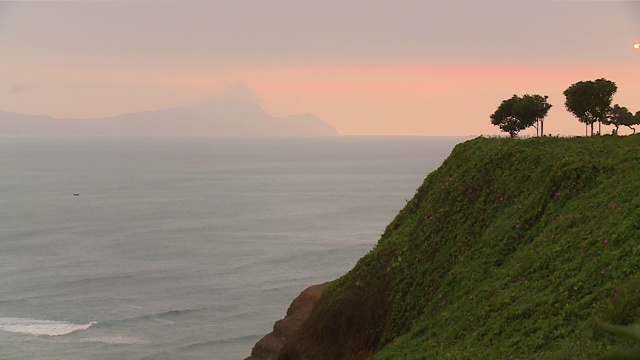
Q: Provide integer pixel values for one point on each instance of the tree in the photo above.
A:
(621, 116)
(518, 113)
(532, 109)
(505, 117)
(590, 101)
(630, 120)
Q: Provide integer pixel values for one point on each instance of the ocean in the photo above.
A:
(185, 248)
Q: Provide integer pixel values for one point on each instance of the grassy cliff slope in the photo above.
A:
(510, 250)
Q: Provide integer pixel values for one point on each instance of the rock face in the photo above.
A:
(269, 346)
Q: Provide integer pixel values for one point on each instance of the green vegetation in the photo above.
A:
(518, 113)
(590, 101)
(629, 332)
(621, 116)
(512, 249)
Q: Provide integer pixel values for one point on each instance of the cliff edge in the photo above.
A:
(510, 250)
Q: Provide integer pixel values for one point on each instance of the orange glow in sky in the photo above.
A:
(356, 100)
(636, 45)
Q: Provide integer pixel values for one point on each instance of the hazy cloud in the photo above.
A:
(16, 89)
(294, 32)
(239, 92)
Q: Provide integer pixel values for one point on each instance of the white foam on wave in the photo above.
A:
(41, 327)
(116, 340)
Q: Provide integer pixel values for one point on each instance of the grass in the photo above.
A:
(512, 249)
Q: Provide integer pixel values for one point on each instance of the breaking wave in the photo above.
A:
(41, 327)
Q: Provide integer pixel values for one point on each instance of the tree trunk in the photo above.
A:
(591, 129)
(542, 128)
(599, 128)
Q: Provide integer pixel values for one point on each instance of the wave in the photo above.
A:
(210, 343)
(164, 315)
(116, 340)
(318, 255)
(41, 327)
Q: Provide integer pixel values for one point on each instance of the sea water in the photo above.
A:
(184, 248)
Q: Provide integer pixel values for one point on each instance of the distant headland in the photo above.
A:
(213, 118)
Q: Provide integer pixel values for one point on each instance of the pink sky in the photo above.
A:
(438, 100)
(421, 68)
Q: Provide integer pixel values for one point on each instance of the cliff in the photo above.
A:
(270, 345)
(511, 249)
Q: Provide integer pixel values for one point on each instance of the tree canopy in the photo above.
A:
(621, 116)
(518, 113)
(532, 109)
(590, 101)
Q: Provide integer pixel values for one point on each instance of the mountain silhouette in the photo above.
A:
(213, 118)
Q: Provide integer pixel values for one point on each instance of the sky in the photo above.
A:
(366, 67)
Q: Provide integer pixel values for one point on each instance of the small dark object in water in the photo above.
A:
(76, 194)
